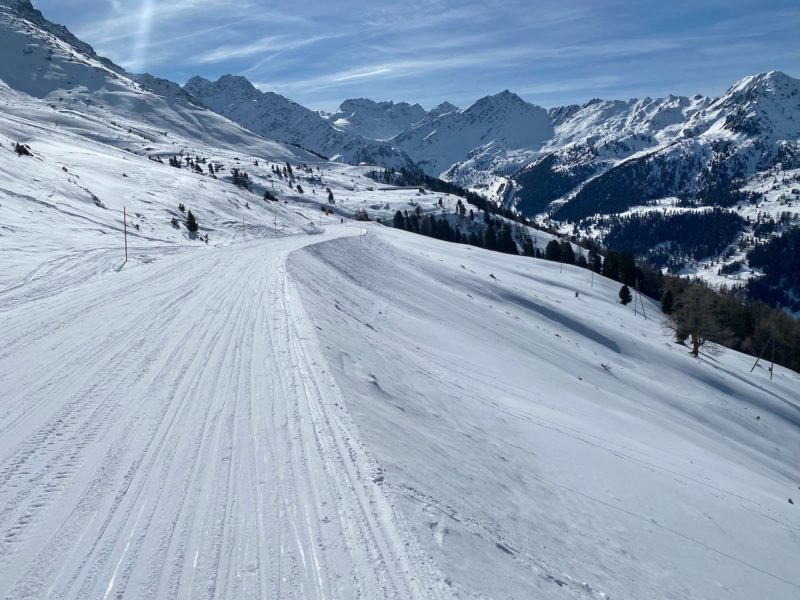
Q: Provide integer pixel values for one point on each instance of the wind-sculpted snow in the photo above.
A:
(544, 444)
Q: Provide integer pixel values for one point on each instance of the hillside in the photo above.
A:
(221, 403)
(528, 437)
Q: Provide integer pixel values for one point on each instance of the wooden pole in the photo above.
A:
(772, 366)
(639, 294)
(125, 225)
(755, 364)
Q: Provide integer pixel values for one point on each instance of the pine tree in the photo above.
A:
(399, 220)
(567, 253)
(553, 251)
(611, 266)
(506, 241)
(667, 302)
(595, 261)
(527, 247)
(490, 237)
(191, 223)
(625, 294)
(627, 268)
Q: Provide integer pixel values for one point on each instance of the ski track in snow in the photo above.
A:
(161, 460)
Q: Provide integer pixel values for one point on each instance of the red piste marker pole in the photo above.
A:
(125, 223)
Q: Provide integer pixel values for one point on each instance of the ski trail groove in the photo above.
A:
(191, 446)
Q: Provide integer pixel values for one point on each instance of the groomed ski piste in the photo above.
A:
(381, 416)
(312, 407)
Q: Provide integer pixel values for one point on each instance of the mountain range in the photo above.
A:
(506, 147)
(581, 168)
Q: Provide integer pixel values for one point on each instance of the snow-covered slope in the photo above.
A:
(544, 444)
(595, 137)
(278, 118)
(375, 120)
(606, 120)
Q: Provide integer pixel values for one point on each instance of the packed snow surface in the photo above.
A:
(544, 444)
(381, 416)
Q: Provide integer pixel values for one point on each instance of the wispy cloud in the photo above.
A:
(552, 52)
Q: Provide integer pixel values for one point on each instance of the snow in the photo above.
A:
(439, 141)
(546, 445)
(601, 121)
(310, 407)
(376, 120)
(279, 118)
(168, 431)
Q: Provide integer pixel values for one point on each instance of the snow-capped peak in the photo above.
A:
(228, 89)
(376, 120)
(443, 108)
(442, 140)
(503, 101)
(769, 82)
(758, 105)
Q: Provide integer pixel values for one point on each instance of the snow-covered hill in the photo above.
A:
(529, 437)
(101, 140)
(279, 118)
(595, 137)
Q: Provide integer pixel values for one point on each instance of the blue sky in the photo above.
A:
(319, 52)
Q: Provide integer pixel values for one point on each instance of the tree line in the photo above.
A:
(696, 234)
(779, 261)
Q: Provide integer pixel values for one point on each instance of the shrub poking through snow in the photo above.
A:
(625, 294)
